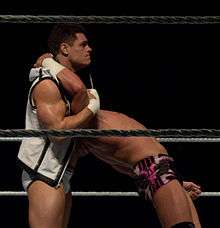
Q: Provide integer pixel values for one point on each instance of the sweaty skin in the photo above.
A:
(120, 152)
(123, 152)
(116, 151)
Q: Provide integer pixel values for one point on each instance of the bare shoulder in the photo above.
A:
(46, 90)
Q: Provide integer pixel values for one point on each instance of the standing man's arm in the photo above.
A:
(51, 108)
(70, 81)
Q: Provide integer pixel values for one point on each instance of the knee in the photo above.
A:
(153, 172)
(44, 218)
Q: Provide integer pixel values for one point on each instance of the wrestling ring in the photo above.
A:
(163, 135)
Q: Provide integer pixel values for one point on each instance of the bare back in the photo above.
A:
(119, 151)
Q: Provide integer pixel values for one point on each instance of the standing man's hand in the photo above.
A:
(94, 101)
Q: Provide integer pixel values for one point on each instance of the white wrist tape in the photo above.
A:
(52, 65)
(94, 93)
(94, 103)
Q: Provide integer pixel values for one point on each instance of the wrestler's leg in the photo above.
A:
(157, 180)
(46, 205)
(68, 205)
(193, 212)
(172, 205)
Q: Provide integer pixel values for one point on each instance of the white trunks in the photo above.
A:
(27, 179)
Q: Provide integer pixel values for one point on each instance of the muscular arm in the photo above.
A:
(76, 89)
(70, 80)
(51, 109)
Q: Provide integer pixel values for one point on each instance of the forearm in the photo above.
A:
(79, 120)
(71, 83)
(70, 80)
(52, 116)
(51, 109)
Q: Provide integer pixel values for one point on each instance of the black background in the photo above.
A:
(165, 76)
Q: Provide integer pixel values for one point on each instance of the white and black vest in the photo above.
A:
(41, 158)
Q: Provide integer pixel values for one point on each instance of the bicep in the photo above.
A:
(51, 115)
(50, 106)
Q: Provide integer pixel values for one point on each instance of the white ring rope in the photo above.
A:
(114, 20)
(30, 19)
(102, 194)
(92, 132)
(113, 194)
(172, 140)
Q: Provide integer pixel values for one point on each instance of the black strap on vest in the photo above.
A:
(63, 93)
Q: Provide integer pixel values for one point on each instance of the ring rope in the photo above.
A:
(101, 194)
(162, 140)
(110, 19)
(161, 133)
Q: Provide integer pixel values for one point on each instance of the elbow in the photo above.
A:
(57, 126)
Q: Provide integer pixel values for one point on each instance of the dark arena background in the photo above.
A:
(165, 76)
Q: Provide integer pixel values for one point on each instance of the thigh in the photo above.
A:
(68, 206)
(46, 205)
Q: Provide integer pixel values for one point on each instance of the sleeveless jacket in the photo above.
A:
(41, 158)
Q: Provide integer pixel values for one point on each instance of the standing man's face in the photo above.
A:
(79, 53)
